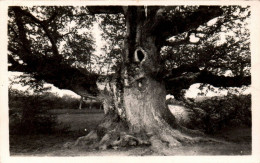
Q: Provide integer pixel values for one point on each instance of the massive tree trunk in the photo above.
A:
(144, 94)
(135, 107)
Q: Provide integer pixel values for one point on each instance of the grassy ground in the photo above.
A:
(80, 122)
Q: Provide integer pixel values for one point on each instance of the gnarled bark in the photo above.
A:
(138, 113)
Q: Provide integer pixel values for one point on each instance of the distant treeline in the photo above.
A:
(31, 113)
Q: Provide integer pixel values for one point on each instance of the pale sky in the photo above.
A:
(98, 38)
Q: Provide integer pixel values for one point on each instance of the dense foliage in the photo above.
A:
(47, 41)
(216, 113)
(29, 114)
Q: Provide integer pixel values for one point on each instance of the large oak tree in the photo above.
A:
(152, 53)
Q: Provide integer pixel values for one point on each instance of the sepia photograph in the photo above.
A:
(129, 80)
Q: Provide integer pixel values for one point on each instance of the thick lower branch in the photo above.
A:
(62, 76)
(223, 81)
(186, 80)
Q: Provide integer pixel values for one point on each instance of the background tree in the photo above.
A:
(154, 50)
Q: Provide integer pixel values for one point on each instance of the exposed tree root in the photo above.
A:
(162, 140)
(110, 140)
(156, 132)
(111, 133)
(159, 143)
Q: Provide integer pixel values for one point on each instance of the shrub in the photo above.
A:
(219, 112)
(28, 114)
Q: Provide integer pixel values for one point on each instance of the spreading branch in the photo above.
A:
(184, 41)
(63, 76)
(164, 28)
(184, 81)
(223, 81)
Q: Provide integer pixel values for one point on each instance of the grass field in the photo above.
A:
(80, 122)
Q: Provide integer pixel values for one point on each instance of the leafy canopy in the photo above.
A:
(46, 41)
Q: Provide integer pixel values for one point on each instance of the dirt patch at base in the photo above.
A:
(197, 149)
(53, 145)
